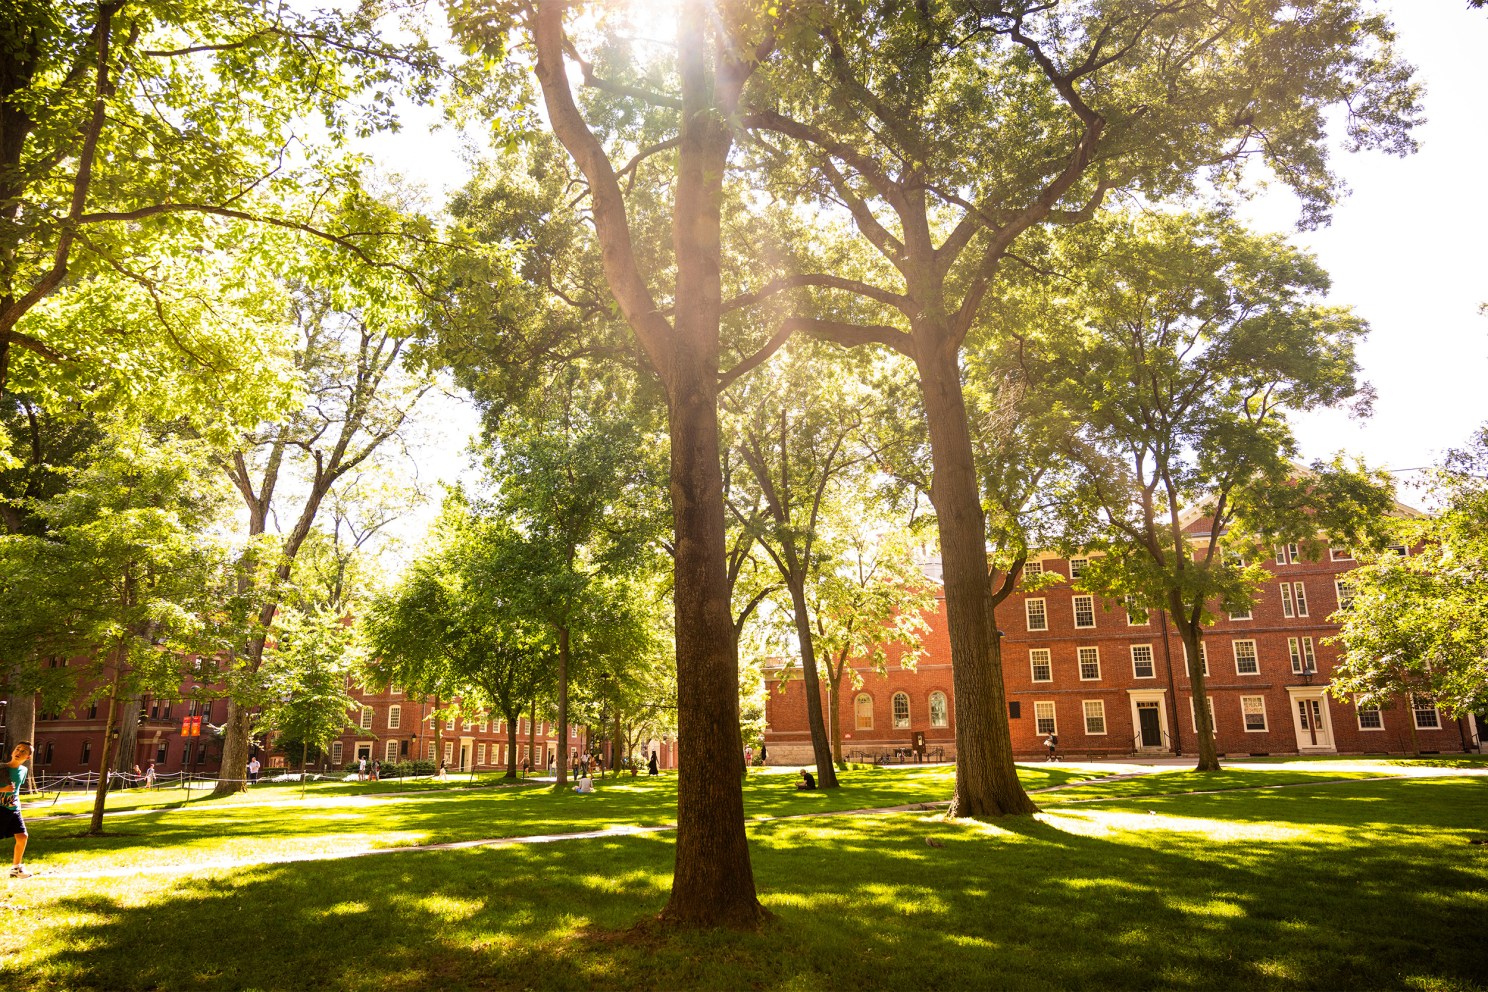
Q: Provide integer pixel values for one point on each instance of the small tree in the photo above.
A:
(307, 667)
(1178, 358)
(1417, 624)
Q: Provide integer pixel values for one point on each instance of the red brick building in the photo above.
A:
(1108, 684)
(386, 725)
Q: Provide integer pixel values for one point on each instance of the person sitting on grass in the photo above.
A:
(585, 784)
(808, 780)
(11, 824)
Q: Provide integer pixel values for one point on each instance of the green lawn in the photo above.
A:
(1362, 883)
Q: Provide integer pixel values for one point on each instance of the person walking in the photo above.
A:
(150, 776)
(253, 767)
(651, 766)
(1052, 743)
(11, 824)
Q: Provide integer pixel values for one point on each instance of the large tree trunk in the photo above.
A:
(1192, 639)
(232, 774)
(821, 747)
(511, 743)
(129, 732)
(986, 779)
(20, 721)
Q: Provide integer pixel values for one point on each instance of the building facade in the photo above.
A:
(1110, 684)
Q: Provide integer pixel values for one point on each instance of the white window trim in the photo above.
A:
(945, 709)
(1265, 718)
(1028, 613)
(1340, 554)
(1340, 584)
(1417, 709)
(1075, 607)
(337, 752)
(1080, 663)
(1075, 570)
(1151, 661)
(1248, 614)
(1359, 718)
(1287, 610)
(1053, 717)
(1301, 593)
(1255, 655)
(366, 718)
(1203, 659)
(857, 712)
(390, 751)
(1085, 713)
(1048, 659)
(1132, 622)
(894, 711)
(395, 717)
(1032, 568)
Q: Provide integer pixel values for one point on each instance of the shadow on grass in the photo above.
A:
(1368, 885)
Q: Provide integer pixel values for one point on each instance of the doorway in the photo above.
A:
(1310, 722)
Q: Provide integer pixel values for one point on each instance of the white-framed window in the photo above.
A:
(1038, 614)
(1427, 718)
(428, 750)
(1281, 555)
(485, 726)
(1033, 569)
(540, 731)
(467, 726)
(449, 751)
(1242, 613)
(1398, 549)
(1253, 709)
(1370, 717)
(1143, 666)
(939, 712)
(394, 689)
(390, 752)
(1203, 659)
(1084, 611)
(480, 754)
(1304, 657)
(1137, 618)
(1095, 717)
(1340, 554)
(863, 712)
(901, 710)
(1301, 593)
(395, 717)
(337, 750)
(1043, 719)
(1286, 600)
(1077, 567)
(450, 723)
(1246, 662)
(1041, 665)
(1193, 717)
(366, 721)
(1345, 592)
(1089, 663)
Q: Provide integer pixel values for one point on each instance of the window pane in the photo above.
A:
(1142, 666)
(1084, 611)
(1301, 598)
(1043, 718)
(1089, 663)
(1095, 716)
(1245, 658)
(1254, 710)
(864, 709)
(1043, 668)
(901, 710)
(938, 715)
(1038, 619)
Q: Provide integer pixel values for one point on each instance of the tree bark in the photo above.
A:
(129, 731)
(1192, 639)
(563, 649)
(834, 703)
(20, 720)
(986, 779)
(235, 737)
(821, 747)
(104, 759)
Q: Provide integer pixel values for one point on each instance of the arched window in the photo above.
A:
(864, 711)
(901, 711)
(938, 713)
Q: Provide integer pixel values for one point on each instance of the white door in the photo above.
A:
(1310, 719)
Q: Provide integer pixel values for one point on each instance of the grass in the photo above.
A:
(1360, 883)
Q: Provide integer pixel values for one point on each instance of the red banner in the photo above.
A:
(191, 726)
(185, 726)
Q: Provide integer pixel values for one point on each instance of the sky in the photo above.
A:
(1407, 249)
